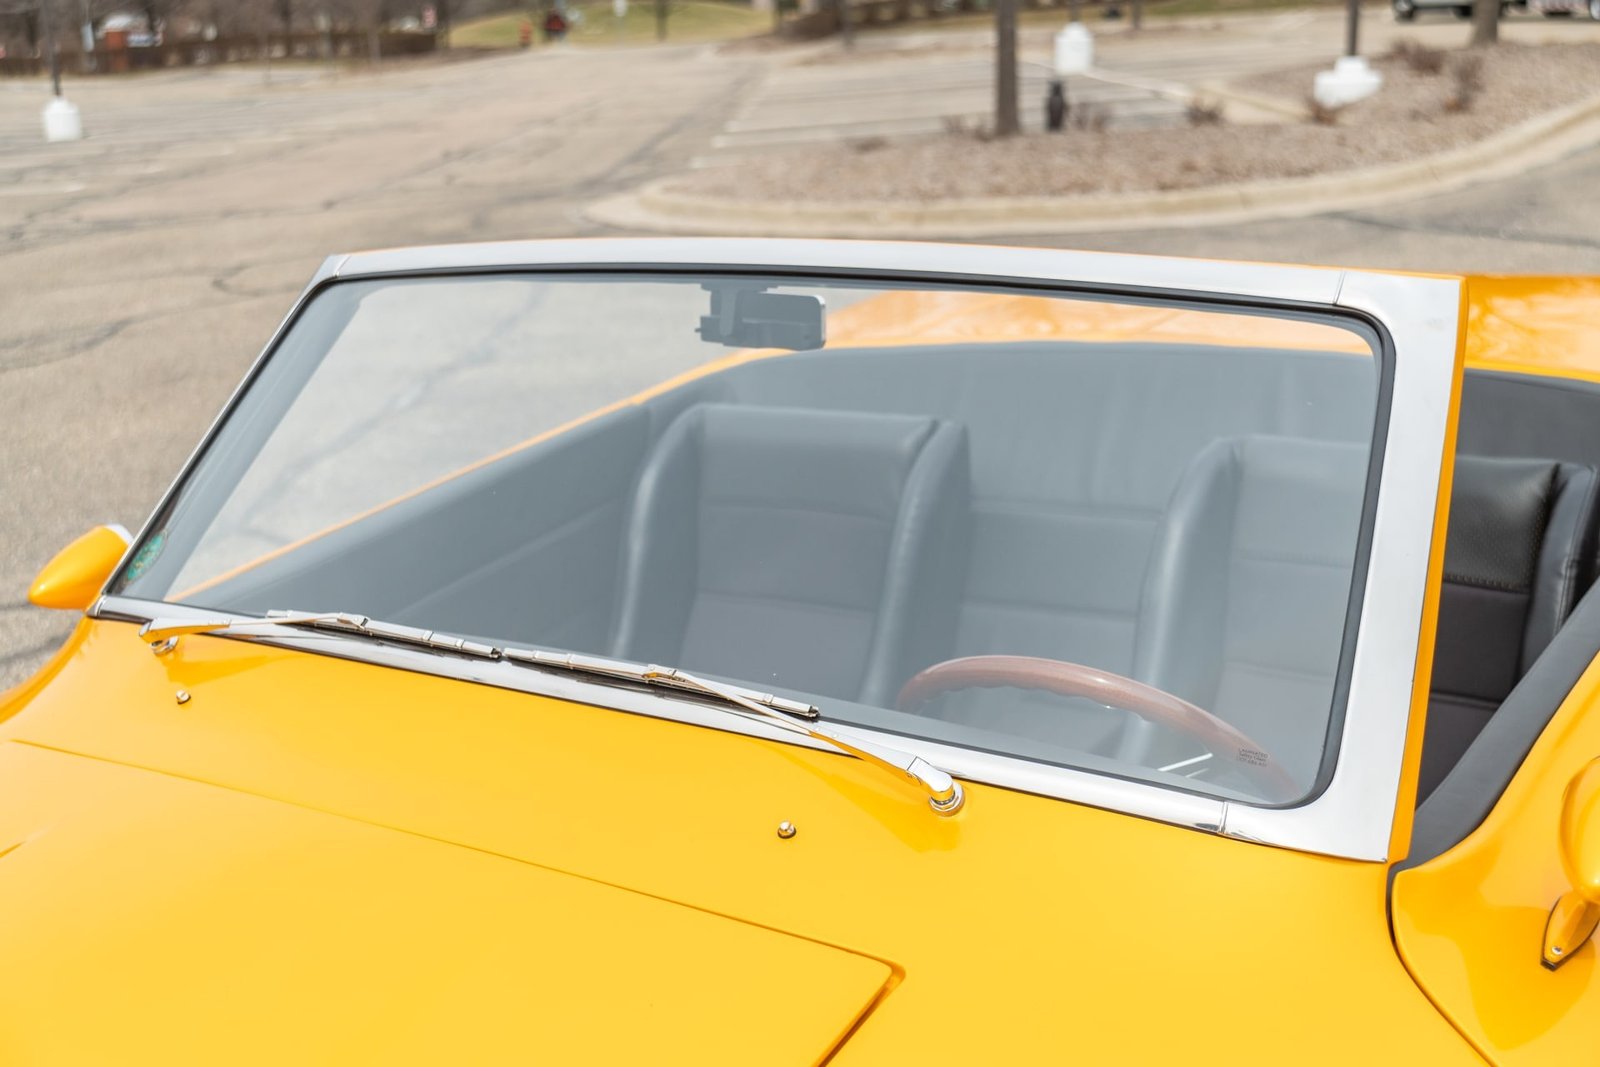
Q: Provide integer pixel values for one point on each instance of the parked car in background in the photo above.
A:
(1406, 10)
(768, 652)
(1591, 8)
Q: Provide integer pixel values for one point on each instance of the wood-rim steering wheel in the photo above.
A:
(1076, 680)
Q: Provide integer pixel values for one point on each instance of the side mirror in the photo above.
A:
(78, 572)
(1573, 919)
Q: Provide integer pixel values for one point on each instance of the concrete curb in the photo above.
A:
(1538, 141)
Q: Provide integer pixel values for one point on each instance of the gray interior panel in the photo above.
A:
(549, 574)
(1522, 415)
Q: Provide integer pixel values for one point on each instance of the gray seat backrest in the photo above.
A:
(822, 551)
(1245, 601)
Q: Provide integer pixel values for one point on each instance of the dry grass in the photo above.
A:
(1203, 112)
(1319, 113)
(1418, 57)
(1466, 79)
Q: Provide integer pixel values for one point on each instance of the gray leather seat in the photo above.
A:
(823, 551)
(1244, 603)
(1076, 449)
(1519, 553)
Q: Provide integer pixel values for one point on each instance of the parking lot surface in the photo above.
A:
(142, 269)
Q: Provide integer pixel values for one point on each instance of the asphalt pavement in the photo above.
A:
(142, 269)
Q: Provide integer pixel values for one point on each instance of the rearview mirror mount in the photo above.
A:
(750, 317)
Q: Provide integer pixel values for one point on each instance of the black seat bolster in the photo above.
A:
(1566, 559)
(1520, 538)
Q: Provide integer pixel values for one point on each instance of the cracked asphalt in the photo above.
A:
(142, 269)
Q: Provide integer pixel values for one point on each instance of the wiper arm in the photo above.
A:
(944, 793)
(163, 634)
(665, 677)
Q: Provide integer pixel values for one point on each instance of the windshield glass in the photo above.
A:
(1118, 535)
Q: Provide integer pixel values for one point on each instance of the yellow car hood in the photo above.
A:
(356, 863)
(149, 912)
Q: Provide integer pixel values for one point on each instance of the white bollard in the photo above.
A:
(62, 121)
(1074, 50)
(1350, 80)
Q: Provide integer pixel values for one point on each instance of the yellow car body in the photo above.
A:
(238, 852)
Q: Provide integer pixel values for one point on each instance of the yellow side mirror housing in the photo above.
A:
(1573, 919)
(76, 575)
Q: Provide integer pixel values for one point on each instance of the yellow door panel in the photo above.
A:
(1470, 923)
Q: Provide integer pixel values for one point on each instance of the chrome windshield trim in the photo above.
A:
(1113, 794)
(326, 271)
(1101, 270)
(1355, 815)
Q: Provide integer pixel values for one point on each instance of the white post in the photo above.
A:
(1074, 50)
(1350, 80)
(62, 121)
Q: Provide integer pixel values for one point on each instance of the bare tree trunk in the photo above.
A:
(1485, 23)
(55, 50)
(847, 25)
(1005, 68)
(374, 46)
(1138, 13)
(661, 20)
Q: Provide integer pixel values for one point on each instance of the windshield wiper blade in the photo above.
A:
(163, 634)
(664, 677)
(944, 793)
